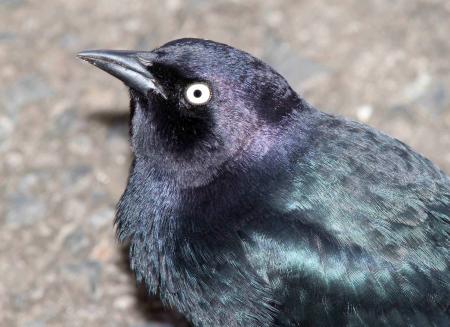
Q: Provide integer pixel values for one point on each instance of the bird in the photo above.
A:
(247, 206)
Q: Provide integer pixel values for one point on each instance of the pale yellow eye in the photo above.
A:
(198, 93)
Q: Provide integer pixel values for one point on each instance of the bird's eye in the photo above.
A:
(198, 93)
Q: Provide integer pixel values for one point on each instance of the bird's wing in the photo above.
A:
(366, 189)
(361, 217)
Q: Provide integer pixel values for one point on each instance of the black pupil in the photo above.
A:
(197, 93)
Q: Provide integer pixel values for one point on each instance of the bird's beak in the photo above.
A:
(128, 66)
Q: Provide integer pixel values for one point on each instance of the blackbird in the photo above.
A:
(246, 206)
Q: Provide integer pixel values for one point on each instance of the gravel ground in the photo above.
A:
(63, 125)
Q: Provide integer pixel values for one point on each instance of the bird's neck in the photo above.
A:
(170, 225)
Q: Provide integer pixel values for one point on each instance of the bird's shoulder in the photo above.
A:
(360, 184)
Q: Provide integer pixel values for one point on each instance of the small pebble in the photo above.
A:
(364, 113)
(124, 302)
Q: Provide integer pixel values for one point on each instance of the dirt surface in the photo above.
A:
(64, 152)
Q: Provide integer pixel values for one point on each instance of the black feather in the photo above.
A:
(256, 209)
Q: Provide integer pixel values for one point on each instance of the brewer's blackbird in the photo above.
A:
(246, 206)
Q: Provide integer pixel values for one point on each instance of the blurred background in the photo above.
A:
(64, 151)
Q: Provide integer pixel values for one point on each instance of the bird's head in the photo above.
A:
(197, 104)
